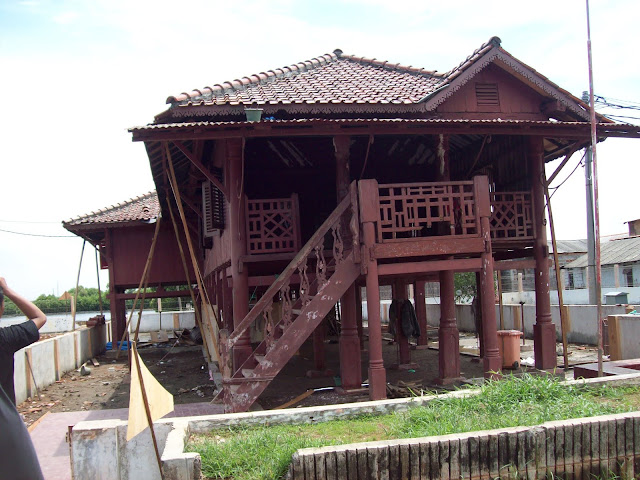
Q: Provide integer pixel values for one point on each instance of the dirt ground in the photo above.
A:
(182, 371)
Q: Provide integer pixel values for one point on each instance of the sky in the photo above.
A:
(75, 74)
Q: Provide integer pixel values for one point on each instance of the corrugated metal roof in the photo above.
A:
(570, 246)
(624, 250)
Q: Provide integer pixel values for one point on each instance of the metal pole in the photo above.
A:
(84, 242)
(99, 292)
(591, 243)
(594, 140)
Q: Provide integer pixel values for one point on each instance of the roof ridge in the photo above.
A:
(113, 207)
(258, 78)
(388, 65)
(477, 53)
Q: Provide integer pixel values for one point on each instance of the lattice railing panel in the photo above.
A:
(272, 225)
(426, 209)
(511, 216)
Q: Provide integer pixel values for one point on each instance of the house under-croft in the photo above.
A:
(361, 173)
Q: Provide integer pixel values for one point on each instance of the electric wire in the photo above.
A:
(37, 235)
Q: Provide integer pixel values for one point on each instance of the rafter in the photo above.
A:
(200, 166)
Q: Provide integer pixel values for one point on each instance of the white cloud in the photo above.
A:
(66, 18)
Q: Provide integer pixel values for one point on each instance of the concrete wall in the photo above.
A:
(582, 325)
(49, 359)
(581, 448)
(59, 323)
(573, 297)
(624, 332)
(100, 451)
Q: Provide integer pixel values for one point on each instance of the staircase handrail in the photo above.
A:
(286, 274)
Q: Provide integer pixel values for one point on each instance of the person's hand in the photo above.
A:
(3, 283)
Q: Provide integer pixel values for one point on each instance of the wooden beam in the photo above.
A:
(456, 265)
(445, 245)
(200, 166)
(580, 131)
(562, 164)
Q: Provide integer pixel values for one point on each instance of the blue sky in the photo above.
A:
(77, 74)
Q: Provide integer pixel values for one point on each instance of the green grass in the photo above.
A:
(265, 452)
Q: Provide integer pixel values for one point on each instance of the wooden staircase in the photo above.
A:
(303, 308)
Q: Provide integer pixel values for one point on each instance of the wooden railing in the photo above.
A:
(341, 231)
(511, 216)
(273, 225)
(410, 210)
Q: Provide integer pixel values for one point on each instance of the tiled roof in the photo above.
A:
(622, 250)
(139, 209)
(333, 78)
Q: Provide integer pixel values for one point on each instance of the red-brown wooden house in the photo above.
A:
(364, 172)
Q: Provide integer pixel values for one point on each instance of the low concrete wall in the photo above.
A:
(579, 448)
(44, 362)
(100, 451)
(624, 332)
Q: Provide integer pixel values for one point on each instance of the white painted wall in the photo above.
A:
(73, 349)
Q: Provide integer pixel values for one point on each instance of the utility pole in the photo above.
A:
(594, 141)
(591, 239)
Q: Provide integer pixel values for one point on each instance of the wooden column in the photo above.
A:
(544, 331)
(400, 294)
(350, 364)
(491, 355)
(359, 316)
(118, 318)
(368, 194)
(448, 334)
(237, 227)
(478, 312)
(421, 313)
(319, 354)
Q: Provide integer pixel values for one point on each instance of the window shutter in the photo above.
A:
(212, 208)
(487, 94)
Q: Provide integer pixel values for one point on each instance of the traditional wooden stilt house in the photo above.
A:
(123, 234)
(360, 172)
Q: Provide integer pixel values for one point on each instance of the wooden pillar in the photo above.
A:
(359, 316)
(400, 294)
(491, 355)
(544, 331)
(237, 227)
(368, 194)
(350, 364)
(227, 300)
(421, 313)
(319, 354)
(448, 335)
(118, 317)
(478, 312)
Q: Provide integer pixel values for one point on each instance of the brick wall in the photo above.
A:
(577, 448)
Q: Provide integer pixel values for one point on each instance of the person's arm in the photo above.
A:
(32, 312)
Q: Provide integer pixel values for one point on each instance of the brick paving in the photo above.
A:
(49, 436)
